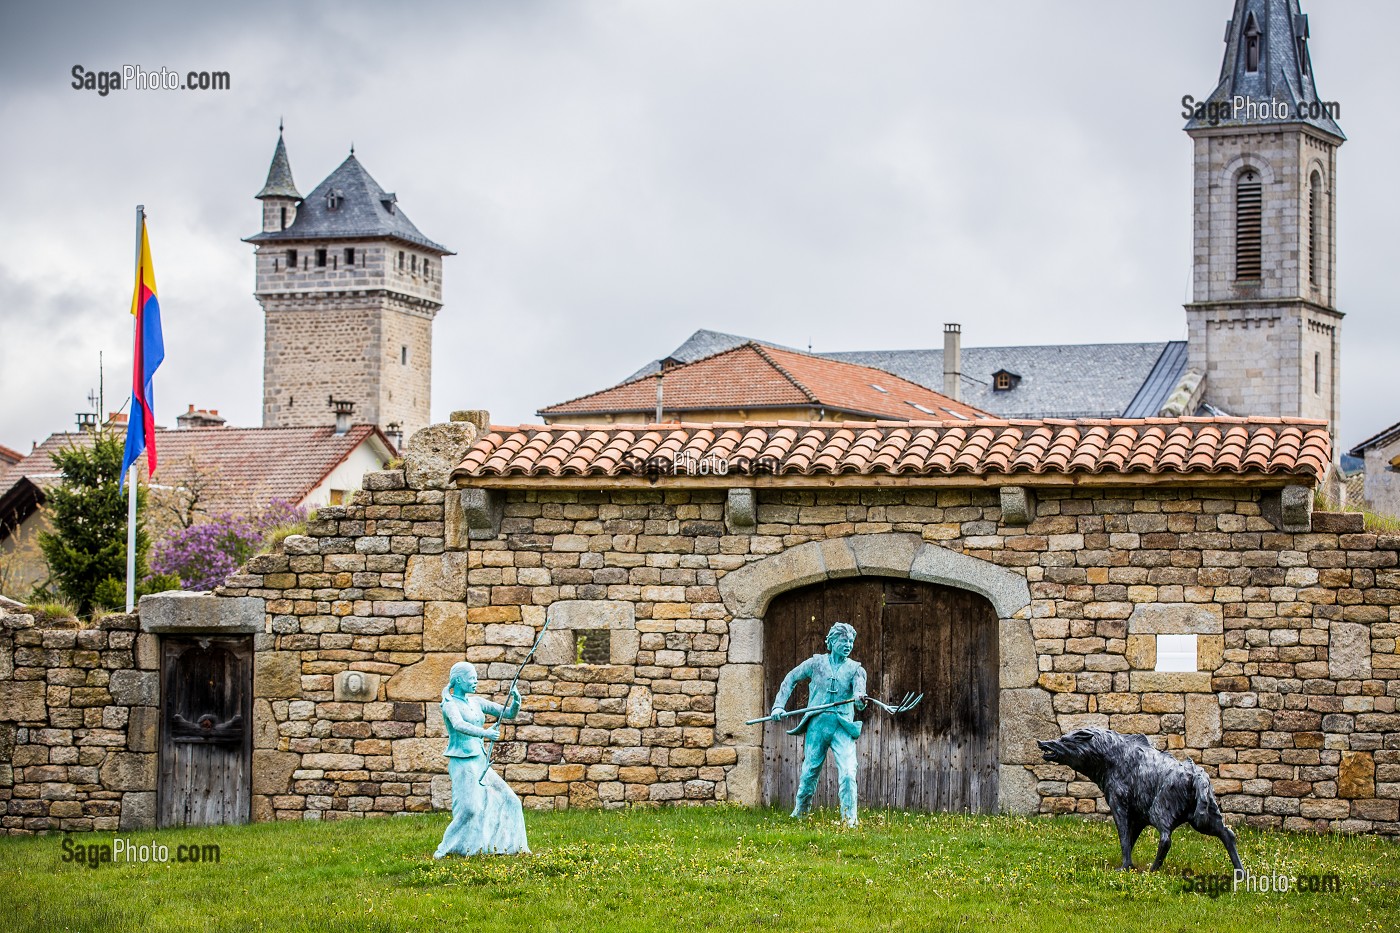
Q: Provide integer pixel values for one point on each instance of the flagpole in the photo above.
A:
(131, 471)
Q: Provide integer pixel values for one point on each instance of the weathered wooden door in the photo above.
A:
(206, 730)
(911, 637)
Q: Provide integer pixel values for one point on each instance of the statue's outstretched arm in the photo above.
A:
(795, 676)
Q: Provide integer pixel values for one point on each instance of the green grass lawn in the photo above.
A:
(695, 869)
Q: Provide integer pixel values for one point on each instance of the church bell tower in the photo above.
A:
(1263, 324)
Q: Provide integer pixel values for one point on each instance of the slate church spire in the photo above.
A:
(1267, 60)
(1263, 326)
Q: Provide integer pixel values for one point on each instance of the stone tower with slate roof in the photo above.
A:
(1263, 324)
(349, 289)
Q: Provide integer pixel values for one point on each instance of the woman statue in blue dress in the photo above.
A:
(486, 814)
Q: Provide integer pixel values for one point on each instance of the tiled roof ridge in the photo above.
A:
(1209, 445)
(643, 377)
(763, 352)
(770, 354)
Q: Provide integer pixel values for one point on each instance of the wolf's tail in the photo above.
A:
(1205, 795)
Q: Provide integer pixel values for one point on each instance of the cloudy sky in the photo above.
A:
(614, 175)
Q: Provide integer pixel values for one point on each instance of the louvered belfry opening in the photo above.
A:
(1248, 228)
(1314, 201)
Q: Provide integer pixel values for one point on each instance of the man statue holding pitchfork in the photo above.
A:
(835, 690)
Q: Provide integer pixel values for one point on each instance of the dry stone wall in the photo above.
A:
(78, 725)
(1291, 708)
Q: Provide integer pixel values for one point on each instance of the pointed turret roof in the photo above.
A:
(1279, 69)
(351, 204)
(279, 175)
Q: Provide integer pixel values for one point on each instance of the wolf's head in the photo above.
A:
(1086, 750)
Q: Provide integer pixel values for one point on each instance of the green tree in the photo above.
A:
(86, 551)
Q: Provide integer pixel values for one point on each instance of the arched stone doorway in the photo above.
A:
(1024, 708)
(912, 637)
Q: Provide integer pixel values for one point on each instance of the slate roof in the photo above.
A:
(364, 210)
(1378, 439)
(279, 175)
(757, 376)
(1285, 68)
(1103, 380)
(249, 466)
(1068, 381)
(1165, 447)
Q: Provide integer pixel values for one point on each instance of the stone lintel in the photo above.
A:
(1176, 619)
(179, 612)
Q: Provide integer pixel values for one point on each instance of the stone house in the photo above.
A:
(1158, 576)
(1381, 454)
(204, 468)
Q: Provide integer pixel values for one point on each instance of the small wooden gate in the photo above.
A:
(206, 730)
(911, 636)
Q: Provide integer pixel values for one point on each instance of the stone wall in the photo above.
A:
(1291, 709)
(78, 726)
(1291, 706)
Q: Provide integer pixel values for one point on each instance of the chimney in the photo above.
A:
(199, 418)
(343, 411)
(952, 361)
(394, 431)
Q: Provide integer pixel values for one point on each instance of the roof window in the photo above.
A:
(1004, 380)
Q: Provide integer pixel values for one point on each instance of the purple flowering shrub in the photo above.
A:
(205, 555)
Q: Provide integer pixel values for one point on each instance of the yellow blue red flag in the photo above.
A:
(148, 353)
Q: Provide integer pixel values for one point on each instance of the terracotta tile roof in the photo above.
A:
(1166, 447)
(247, 467)
(9, 455)
(760, 376)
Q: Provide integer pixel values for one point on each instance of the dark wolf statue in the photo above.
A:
(1144, 787)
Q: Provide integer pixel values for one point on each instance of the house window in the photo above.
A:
(400, 260)
(1176, 653)
(284, 219)
(403, 355)
(1248, 227)
(592, 646)
(291, 259)
(425, 266)
(1317, 373)
(337, 497)
(320, 258)
(349, 255)
(1002, 383)
(1251, 45)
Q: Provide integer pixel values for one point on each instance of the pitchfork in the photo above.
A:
(909, 702)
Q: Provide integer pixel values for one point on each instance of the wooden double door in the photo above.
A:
(911, 638)
(206, 730)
